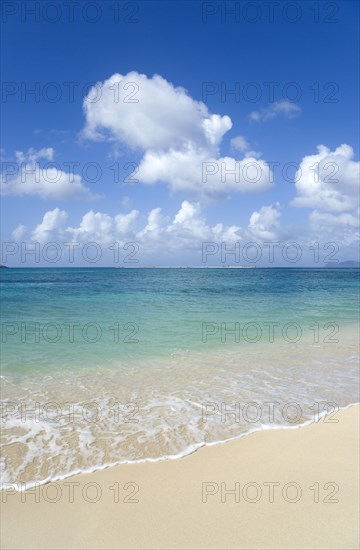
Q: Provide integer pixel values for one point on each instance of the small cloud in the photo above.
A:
(19, 232)
(253, 154)
(264, 224)
(239, 143)
(255, 116)
(49, 182)
(285, 108)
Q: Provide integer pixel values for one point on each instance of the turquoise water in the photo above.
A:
(53, 317)
(151, 349)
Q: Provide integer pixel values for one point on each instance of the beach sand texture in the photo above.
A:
(176, 504)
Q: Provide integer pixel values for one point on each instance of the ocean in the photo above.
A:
(103, 366)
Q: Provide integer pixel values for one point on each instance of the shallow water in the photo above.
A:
(194, 356)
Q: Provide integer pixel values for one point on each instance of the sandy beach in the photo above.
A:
(286, 488)
(180, 275)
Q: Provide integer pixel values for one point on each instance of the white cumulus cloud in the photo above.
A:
(176, 134)
(28, 177)
(328, 180)
(52, 222)
(149, 113)
(186, 230)
(264, 224)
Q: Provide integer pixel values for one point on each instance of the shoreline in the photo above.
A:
(183, 454)
(161, 504)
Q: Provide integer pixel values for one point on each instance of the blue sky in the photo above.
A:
(308, 50)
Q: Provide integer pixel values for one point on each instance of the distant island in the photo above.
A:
(348, 263)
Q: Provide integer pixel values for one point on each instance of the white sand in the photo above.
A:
(170, 512)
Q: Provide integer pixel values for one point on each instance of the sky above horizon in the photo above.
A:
(173, 124)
